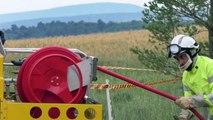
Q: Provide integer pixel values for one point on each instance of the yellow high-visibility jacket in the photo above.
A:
(198, 83)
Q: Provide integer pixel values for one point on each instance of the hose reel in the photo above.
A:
(55, 75)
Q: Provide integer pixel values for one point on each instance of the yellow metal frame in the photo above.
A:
(21, 111)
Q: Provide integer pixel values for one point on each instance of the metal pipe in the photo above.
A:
(32, 50)
(136, 83)
(8, 64)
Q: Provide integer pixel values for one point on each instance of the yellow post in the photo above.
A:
(2, 100)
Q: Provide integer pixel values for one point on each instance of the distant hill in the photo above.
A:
(116, 12)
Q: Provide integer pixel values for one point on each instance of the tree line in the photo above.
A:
(58, 28)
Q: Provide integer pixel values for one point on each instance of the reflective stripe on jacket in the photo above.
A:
(199, 81)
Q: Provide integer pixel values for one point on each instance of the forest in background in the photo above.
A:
(58, 28)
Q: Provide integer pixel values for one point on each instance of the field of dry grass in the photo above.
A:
(106, 47)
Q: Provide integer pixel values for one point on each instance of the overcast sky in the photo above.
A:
(12, 6)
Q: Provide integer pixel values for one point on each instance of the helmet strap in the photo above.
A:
(192, 56)
(195, 54)
(188, 65)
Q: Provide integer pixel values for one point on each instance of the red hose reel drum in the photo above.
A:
(43, 77)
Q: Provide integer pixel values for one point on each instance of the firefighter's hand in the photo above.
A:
(181, 117)
(184, 102)
(184, 115)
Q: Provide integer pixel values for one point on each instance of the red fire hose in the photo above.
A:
(166, 95)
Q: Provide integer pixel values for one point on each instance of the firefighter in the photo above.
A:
(197, 77)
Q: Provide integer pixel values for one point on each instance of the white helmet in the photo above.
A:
(184, 44)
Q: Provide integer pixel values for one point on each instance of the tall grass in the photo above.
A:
(112, 49)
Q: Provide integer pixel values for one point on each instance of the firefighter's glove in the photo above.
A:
(184, 115)
(184, 102)
(181, 117)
